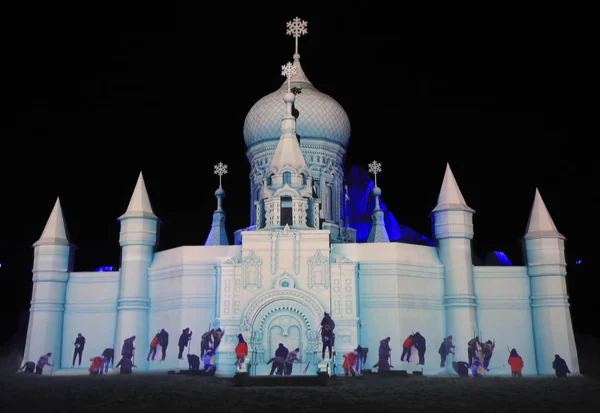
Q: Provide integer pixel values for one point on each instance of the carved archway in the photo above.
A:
(261, 319)
(291, 295)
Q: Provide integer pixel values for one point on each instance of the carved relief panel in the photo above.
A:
(226, 297)
(343, 294)
(237, 290)
(285, 250)
(252, 271)
(336, 298)
(318, 271)
(348, 296)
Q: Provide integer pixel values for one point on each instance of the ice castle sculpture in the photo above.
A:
(311, 246)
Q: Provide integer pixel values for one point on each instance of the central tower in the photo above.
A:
(322, 131)
(287, 197)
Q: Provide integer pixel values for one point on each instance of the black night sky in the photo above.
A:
(91, 97)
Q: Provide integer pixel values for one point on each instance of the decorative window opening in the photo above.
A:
(286, 211)
(330, 200)
(318, 271)
(252, 270)
(287, 178)
(257, 194)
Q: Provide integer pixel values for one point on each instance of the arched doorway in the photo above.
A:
(283, 315)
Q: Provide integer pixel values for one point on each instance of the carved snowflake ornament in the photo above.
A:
(288, 70)
(374, 167)
(220, 169)
(296, 27)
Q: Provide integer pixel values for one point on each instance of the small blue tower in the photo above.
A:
(52, 260)
(218, 233)
(138, 238)
(378, 232)
(453, 231)
(547, 269)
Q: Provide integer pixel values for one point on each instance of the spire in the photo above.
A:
(297, 28)
(55, 231)
(288, 152)
(218, 234)
(450, 196)
(378, 232)
(139, 205)
(540, 222)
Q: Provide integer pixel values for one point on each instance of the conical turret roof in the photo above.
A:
(55, 231)
(139, 205)
(540, 222)
(450, 196)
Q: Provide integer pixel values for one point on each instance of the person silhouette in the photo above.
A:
(560, 366)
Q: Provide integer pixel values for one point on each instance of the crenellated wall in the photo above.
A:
(90, 309)
(400, 291)
(183, 293)
(504, 315)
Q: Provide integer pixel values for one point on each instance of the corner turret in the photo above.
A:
(52, 262)
(378, 232)
(218, 234)
(138, 238)
(453, 232)
(547, 268)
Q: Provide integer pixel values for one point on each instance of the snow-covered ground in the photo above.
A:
(177, 393)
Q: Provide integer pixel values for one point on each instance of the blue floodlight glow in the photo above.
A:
(105, 268)
(360, 205)
(503, 258)
(576, 262)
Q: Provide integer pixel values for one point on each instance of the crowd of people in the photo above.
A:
(479, 354)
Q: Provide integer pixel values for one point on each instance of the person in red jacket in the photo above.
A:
(349, 363)
(153, 347)
(516, 363)
(406, 348)
(241, 351)
(97, 365)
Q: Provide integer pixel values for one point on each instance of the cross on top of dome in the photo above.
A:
(296, 28)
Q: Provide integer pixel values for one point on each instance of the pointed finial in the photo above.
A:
(55, 231)
(540, 222)
(450, 196)
(375, 168)
(139, 205)
(288, 70)
(296, 28)
(220, 169)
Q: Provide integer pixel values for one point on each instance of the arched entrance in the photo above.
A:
(283, 315)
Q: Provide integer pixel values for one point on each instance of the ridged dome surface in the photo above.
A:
(319, 116)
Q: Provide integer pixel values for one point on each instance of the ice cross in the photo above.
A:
(288, 70)
(375, 168)
(220, 169)
(296, 28)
